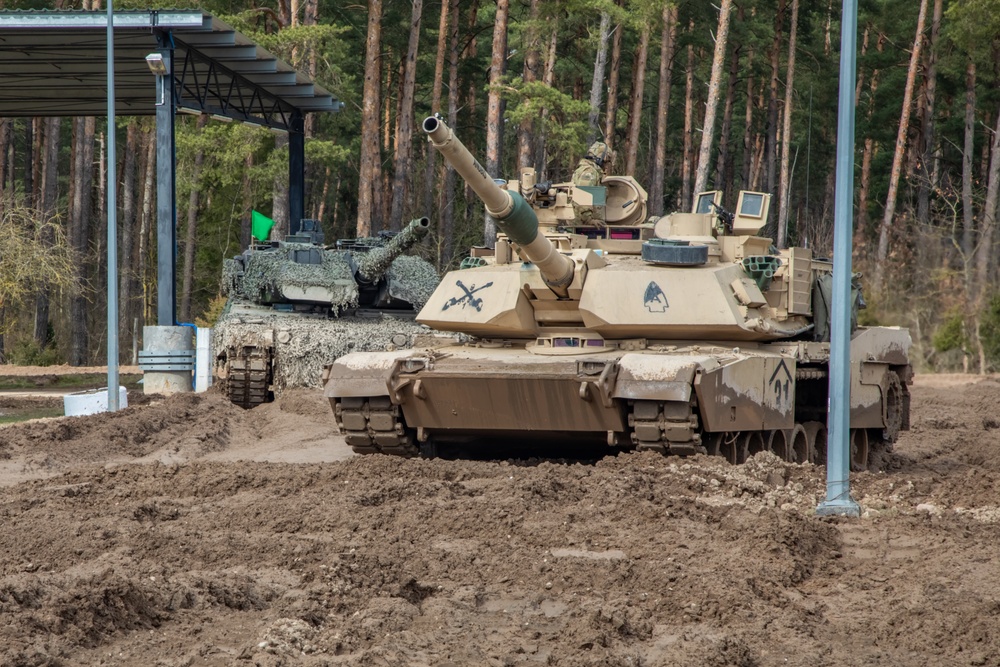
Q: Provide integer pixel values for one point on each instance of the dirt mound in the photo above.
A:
(218, 556)
(197, 422)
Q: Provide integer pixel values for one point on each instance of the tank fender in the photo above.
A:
(661, 377)
(748, 393)
(361, 374)
(869, 380)
(874, 353)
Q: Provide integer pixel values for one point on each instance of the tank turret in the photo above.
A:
(513, 214)
(374, 263)
(682, 334)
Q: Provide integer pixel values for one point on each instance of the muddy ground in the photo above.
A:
(189, 532)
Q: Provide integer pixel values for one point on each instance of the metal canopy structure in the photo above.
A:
(53, 63)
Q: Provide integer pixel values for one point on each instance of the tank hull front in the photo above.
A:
(677, 397)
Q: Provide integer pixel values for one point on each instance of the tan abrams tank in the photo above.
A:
(685, 334)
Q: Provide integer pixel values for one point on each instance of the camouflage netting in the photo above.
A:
(313, 342)
(230, 277)
(267, 269)
(412, 279)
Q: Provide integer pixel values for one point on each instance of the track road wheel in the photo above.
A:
(798, 444)
(778, 443)
(751, 442)
(729, 447)
(816, 439)
(859, 449)
(894, 400)
(713, 443)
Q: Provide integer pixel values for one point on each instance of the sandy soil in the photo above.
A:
(189, 532)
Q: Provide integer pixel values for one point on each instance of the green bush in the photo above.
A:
(950, 335)
(29, 353)
(989, 330)
(212, 313)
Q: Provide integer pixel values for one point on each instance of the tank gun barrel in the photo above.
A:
(377, 261)
(513, 214)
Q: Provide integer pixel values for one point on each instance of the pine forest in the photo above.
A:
(689, 95)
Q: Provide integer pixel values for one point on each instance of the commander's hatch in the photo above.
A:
(707, 202)
(751, 213)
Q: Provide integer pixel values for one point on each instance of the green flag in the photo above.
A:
(260, 226)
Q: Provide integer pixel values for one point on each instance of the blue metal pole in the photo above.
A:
(112, 224)
(838, 483)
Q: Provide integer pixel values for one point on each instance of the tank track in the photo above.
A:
(374, 426)
(668, 427)
(672, 427)
(249, 381)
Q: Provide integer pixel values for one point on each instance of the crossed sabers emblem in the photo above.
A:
(467, 298)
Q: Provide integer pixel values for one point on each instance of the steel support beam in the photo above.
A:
(296, 171)
(166, 192)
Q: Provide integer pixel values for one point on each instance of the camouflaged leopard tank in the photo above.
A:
(683, 334)
(297, 304)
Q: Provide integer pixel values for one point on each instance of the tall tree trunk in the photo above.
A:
(724, 165)
(712, 104)
(668, 39)
(134, 153)
(279, 200)
(320, 210)
(525, 132)
(771, 140)
(685, 202)
(635, 111)
(5, 144)
(748, 123)
(870, 148)
(442, 46)
(369, 172)
(494, 111)
(246, 191)
(927, 154)
(81, 186)
(49, 200)
(786, 133)
(867, 153)
(29, 162)
(897, 158)
(968, 151)
(384, 195)
(612, 110)
(131, 264)
(984, 251)
(448, 191)
(37, 147)
(548, 78)
(187, 272)
(597, 83)
(404, 138)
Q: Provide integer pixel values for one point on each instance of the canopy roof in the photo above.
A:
(54, 63)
